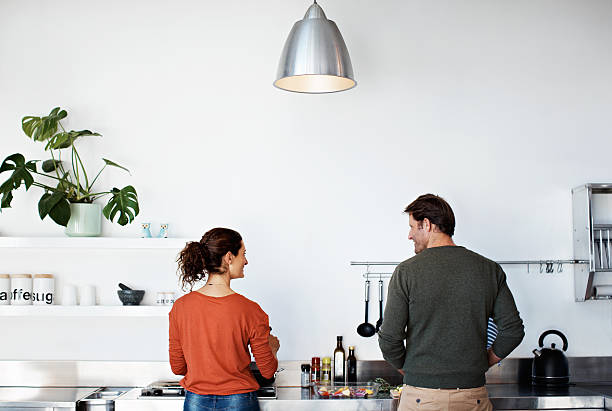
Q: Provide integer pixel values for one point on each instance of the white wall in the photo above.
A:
(499, 106)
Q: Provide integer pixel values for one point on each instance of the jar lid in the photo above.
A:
(5, 276)
(21, 275)
(305, 367)
(326, 360)
(43, 275)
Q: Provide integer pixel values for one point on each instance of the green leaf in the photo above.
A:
(49, 166)
(42, 128)
(47, 202)
(112, 163)
(66, 139)
(124, 202)
(21, 171)
(20, 174)
(60, 213)
(7, 197)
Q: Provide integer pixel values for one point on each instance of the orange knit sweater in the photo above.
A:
(209, 339)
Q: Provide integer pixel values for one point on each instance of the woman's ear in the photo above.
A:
(227, 258)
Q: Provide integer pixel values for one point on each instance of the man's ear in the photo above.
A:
(427, 226)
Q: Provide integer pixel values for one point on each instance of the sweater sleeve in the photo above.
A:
(393, 329)
(509, 324)
(258, 340)
(175, 349)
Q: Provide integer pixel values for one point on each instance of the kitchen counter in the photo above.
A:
(288, 398)
(42, 397)
(517, 397)
(507, 388)
(503, 397)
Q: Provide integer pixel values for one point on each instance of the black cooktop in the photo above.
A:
(172, 389)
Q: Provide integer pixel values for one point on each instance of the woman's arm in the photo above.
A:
(262, 344)
(175, 349)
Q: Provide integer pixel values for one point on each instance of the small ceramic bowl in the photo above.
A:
(130, 297)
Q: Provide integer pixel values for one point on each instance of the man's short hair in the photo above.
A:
(436, 210)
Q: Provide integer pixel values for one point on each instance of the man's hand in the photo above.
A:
(493, 359)
(401, 372)
(274, 344)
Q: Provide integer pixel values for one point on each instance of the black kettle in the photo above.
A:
(550, 367)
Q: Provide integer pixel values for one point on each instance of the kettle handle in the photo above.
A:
(556, 332)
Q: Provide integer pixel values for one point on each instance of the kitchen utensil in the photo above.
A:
(261, 380)
(130, 297)
(366, 329)
(124, 287)
(380, 305)
(550, 367)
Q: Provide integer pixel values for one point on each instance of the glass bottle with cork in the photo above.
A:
(339, 357)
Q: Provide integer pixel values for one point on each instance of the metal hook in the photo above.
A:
(549, 267)
(541, 268)
(560, 267)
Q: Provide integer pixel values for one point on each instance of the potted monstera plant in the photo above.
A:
(68, 193)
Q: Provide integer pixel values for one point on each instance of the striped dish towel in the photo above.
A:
(491, 333)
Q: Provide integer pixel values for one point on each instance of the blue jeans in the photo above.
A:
(241, 402)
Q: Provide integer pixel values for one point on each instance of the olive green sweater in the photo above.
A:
(439, 301)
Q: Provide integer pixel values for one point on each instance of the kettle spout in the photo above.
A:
(537, 352)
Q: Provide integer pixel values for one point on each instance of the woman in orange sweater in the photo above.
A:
(212, 328)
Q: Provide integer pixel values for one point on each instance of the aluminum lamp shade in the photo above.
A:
(315, 58)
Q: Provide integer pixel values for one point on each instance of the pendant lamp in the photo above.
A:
(315, 58)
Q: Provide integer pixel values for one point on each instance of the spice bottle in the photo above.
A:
(305, 375)
(315, 370)
(326, 372)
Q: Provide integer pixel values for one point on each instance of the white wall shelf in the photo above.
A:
(93, 242)
(84, 311)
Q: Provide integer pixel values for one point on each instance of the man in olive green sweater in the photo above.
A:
(440, 301)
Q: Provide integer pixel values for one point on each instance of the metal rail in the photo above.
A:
(546, 266)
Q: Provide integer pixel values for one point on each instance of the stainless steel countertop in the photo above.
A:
(516, 397)
(503, 397)
(64, 397)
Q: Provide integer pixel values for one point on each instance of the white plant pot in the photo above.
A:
(85, 220)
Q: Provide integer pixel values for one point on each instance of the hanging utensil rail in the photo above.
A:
(546, 266)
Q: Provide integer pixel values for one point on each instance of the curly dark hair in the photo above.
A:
(436, 210)
(200, 258)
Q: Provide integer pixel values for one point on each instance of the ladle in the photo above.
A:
(366, 329)
(380, 305)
